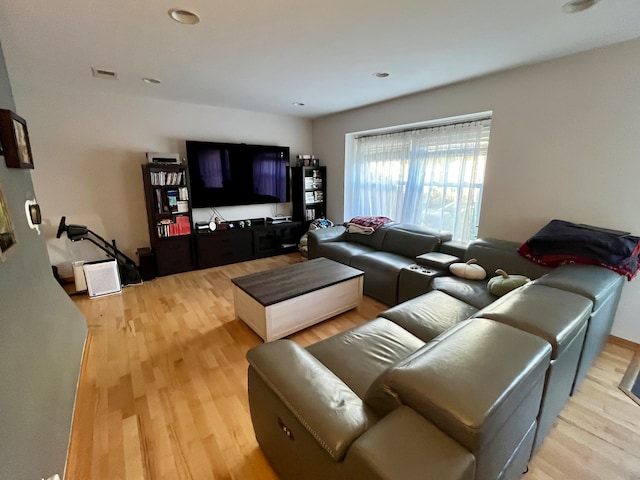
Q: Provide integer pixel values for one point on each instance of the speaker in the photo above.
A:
(147, 263)
(102, 278)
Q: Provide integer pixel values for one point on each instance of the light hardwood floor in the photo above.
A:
(163, 390)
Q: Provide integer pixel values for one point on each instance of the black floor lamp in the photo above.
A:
(129, 274)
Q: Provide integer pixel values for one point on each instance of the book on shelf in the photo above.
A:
(173, 228)
(310, 214)
(172, 200)
(163, 178)
(158, 200)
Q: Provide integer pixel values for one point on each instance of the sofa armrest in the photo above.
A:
(327, 408)
(337, 233)
(324, 235)
(427, 451)
(437, 260)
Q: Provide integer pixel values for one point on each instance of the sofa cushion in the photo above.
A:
(595, 283)
(409, 227)
(555, 315)
(472, 292)
(428, 315)
(341, 252)
(374, 240)
(410, 243)
(359, 355)
(493, 253)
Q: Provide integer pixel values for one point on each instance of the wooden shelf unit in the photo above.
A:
(308, 193)
(166, 189)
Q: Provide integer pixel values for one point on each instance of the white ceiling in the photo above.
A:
(263, 55)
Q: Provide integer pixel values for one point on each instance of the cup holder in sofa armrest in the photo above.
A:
(438, 260)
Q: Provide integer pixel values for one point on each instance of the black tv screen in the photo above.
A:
(224, 174)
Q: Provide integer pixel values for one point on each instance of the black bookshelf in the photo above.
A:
(308, 193)
(166, 189)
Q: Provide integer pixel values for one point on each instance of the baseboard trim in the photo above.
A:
(623, 342)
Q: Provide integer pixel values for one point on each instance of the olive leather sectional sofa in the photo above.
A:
(451, 384)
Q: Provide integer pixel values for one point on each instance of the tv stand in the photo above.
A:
(223, 247)
(276, 238)
(276, 220)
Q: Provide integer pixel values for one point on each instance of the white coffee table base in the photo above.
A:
(289, 316)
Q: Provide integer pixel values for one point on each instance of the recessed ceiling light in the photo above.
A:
(104, 73)
(298, 104)
(150, 80)
(381, 74)
(575, 6)
(183, 16)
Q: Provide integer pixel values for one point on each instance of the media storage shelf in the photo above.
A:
(308, 189)
(223, 247)
(166, 188)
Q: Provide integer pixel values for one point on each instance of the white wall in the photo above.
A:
(88, 149)
(563, 145)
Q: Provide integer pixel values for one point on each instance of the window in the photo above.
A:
(428, 176)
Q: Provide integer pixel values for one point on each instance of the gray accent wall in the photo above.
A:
(42, 336)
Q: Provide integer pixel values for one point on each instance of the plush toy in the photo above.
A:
(470, 270)
(504, 282)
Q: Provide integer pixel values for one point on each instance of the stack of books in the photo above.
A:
(167, 178)
(173, 228)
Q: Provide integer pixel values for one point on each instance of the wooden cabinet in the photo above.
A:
(166, 189)
(224, 246)
(241, 244)
(275, 239)
(308, 188)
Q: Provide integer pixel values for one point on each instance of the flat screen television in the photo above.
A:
(224, 174)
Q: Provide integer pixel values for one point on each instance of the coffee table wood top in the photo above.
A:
(273, 286)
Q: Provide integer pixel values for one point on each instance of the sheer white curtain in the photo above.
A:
(428, 176)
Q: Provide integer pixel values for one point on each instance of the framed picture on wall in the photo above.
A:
(14, 140)
(7, 234)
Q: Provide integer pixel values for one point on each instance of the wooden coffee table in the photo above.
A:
(279, 302)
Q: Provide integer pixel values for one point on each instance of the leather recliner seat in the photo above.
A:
(469, 399)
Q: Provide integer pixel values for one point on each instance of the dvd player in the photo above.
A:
(282, 219)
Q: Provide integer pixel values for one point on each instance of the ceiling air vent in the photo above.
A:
(102, 73)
